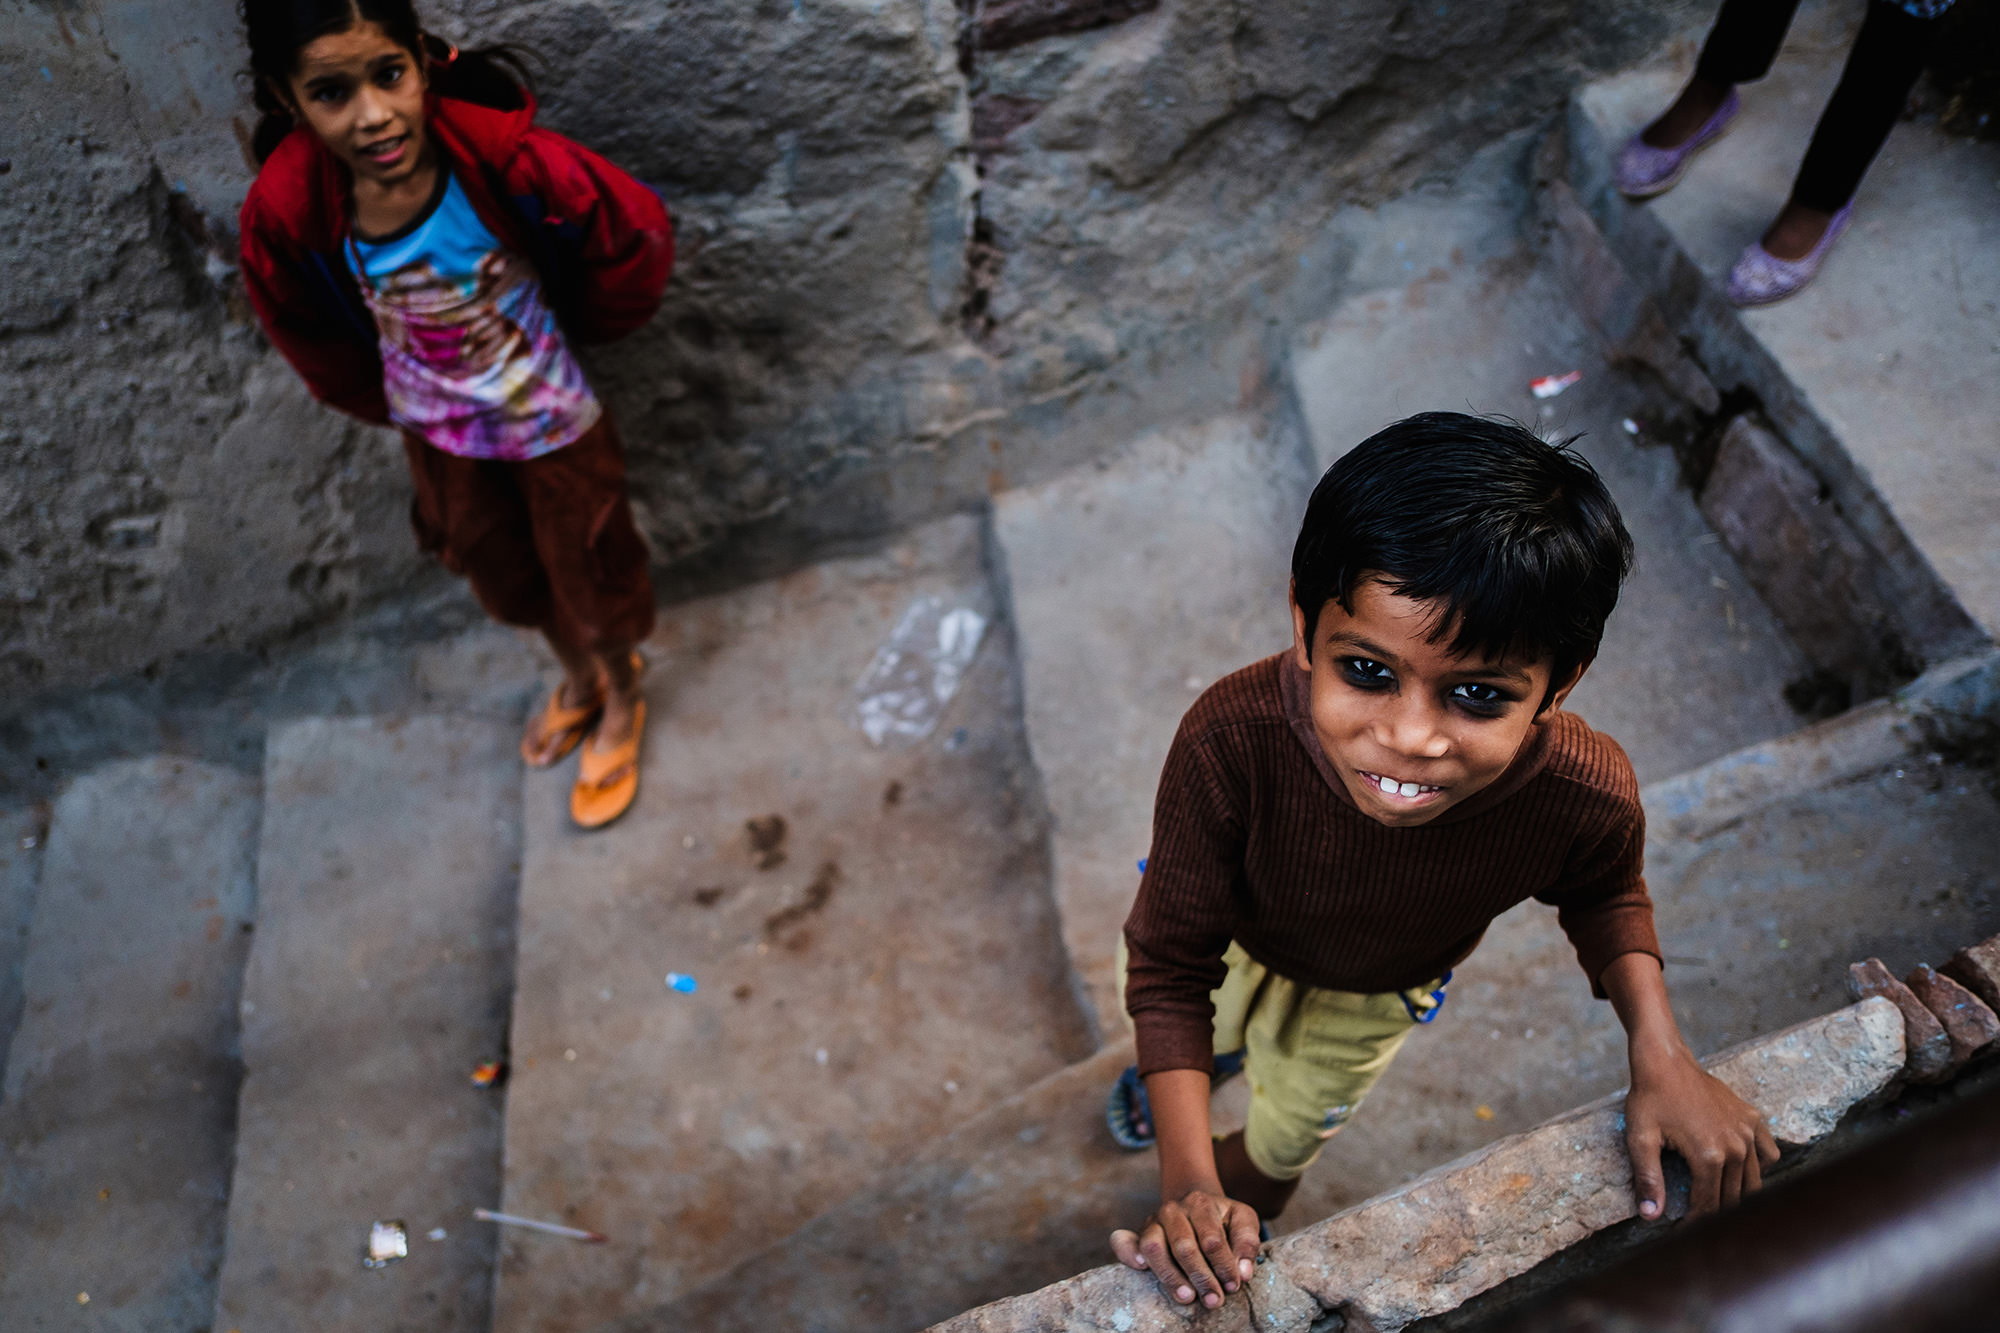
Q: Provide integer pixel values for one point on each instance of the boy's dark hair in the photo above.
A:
(1516, 537)
(277, 30)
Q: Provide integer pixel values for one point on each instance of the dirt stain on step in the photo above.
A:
(786, 925)
(767, 840)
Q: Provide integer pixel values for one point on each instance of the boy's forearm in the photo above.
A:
(1638, 992)
(1179, 1099)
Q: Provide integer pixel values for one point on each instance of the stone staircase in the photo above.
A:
(245, 998)
(867, 983)
(120, 1094)
(386, 878)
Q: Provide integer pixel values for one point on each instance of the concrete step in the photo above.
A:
(1880, 374)
(121, 1081)
(1137, 582)
(384, 952)
(1023, 1195)
(885, 972)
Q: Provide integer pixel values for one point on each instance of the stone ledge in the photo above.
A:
(1949, 699)
(1471, 1224)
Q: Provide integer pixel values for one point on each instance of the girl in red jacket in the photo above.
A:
(424, 256)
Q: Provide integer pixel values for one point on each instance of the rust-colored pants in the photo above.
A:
(548, 544)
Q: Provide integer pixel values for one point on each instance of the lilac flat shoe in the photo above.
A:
(1760, 277)
(1643, 171)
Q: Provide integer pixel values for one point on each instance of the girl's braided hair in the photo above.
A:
(277, 30)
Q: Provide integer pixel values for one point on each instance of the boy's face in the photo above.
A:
(364, 96)
(1411, 729)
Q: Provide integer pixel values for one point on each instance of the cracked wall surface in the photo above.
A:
(165, 485)
(929, 248)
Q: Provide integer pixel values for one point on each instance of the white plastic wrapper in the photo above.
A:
(387, 1242)
(914, 674)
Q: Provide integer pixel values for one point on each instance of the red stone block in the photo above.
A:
(1977, 968)
(1927, 1055)
(1970, 1024)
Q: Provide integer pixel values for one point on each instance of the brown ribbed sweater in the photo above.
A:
(1255, 839)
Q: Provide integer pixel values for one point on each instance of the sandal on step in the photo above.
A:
(557, 729)
(606, 783)
(1127, 1109)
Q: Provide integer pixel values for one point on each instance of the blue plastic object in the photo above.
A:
(1428, 1015)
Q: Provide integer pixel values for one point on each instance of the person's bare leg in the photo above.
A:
(580, 670)
(1242, 1180)
(621, 693)
(1698, 101)
(1796, 230)
(580, 686)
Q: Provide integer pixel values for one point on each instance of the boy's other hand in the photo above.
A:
(1675, 1103)
(1202, 1245)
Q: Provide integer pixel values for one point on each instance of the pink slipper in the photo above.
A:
(1760, 277)
(1643, 171)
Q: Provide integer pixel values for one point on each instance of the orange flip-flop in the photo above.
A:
(606, 783)
(559, 727)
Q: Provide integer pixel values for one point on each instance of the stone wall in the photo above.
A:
(166, 485)
(928, 249)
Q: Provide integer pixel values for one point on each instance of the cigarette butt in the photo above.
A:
(547, 1228)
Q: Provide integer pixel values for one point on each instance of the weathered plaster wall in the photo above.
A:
(929, 248)
(165, 485)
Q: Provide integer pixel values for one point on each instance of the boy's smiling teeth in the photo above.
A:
(1391, 787)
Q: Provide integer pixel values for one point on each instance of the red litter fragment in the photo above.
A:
(1548, 386)
(486, 1075)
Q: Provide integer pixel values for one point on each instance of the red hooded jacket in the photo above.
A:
(600, 240)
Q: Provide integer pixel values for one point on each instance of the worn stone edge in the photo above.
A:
(1722, 793)
(1120, 1299)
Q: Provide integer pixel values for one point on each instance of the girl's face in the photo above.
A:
(364, 96)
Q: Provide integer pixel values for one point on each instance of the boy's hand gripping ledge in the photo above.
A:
(1675, 1103)
(1200, 1243)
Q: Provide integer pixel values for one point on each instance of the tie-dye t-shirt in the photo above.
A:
(472, 359)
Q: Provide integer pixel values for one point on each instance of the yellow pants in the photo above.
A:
(1311, 1055)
